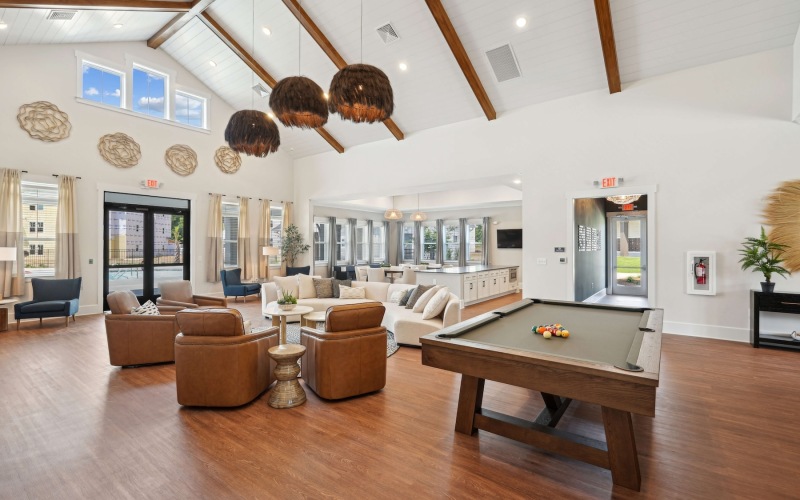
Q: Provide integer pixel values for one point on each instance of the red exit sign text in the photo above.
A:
(151, 184)
(608, 182)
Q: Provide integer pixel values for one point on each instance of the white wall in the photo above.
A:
(714, 140)
(48, 72)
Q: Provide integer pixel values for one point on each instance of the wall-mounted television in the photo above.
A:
(509, 238)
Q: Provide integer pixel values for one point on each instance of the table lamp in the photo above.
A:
(7, 254)
(268, 252)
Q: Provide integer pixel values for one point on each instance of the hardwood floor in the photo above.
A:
(72, 426)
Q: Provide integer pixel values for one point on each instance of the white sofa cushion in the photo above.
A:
(306, 287)
(395, 297)
(355, 292)
(287, 284)
(422, 301)
(435, 306)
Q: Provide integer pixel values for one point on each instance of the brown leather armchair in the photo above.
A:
(349, 357)
(217, 363)
(179, 293)
(135, 339)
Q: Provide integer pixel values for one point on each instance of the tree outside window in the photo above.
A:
(429, 242)
(452, 235)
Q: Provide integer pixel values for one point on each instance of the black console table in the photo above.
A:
(788, 303)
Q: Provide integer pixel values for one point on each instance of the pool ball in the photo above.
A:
(565, 334)
(547, 335)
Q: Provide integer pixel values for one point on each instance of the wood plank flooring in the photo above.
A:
(72, 426)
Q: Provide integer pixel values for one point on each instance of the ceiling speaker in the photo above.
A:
(503, 62)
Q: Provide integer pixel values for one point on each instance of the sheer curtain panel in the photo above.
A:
(68, 259)
(263, 237)
(245, 255)
(214, 239)
(12, 273)
(287, 219)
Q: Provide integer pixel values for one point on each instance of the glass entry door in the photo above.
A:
(145, 245)
(628, 255)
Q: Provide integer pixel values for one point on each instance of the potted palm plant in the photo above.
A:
(764, 256)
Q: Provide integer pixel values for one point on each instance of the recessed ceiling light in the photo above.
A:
(266, 30)
(212, 64)
(521, 22)
(517, 181)
(118, 26)
(403, 66)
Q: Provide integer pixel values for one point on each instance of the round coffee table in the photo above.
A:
(311, 319)
(287, 392)
(275, 311)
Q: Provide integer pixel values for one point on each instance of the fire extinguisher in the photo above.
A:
(700, 275)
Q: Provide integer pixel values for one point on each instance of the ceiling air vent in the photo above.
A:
(503, 62)
(387, 33)
(61, 15)
(260, 90)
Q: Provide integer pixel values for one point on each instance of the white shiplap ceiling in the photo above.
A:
(558, 52)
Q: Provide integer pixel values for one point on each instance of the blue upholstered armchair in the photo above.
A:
(51, 299)
(232, 285)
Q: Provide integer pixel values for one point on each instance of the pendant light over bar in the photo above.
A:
(419, 216)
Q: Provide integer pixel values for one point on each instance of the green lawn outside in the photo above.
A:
(628, 262)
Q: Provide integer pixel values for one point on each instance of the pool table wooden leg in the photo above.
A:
(622, 457)
(470, 399)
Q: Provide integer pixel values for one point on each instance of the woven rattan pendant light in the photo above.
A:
(250, 131)
(360, 92)
(297, 101)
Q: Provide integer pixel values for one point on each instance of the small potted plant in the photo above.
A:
(764, 256)
(287, 301)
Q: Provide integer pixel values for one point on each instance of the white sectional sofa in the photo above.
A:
(406, 325)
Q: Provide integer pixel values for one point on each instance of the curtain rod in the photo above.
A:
(55, 175)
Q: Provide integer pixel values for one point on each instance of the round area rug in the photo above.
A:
(293, 337)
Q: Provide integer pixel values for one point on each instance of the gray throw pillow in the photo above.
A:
(324, 287)
(417, 294)
(404, 299)
(336, 284)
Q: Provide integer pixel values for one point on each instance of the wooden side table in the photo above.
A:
(4, 314)
(287, 392)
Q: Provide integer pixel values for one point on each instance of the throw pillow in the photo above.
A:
(437, 304)
(356, 292)
(416, 294)
(324, 287)
(397, 295)
(148, 309)
(337, 283)
(287, 283)
(405, 298)
(306, 286)
(422, 301)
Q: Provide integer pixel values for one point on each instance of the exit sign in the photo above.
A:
(608, 182)
(150, 184)
(627, 206)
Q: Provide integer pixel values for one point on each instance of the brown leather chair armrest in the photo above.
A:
(184, 305)
(182, 339)
(140, 317)
(350, 334)
(169, 310)
(206, 300)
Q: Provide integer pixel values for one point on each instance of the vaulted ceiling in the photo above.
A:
(561, 51)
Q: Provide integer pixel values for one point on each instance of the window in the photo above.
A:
(362, 242)
(342, 241)
(408, 242)
(103, 85)
(475, 248)
(452, 236)
(429, 237)
(150, 92)
(275, 233)
(40, 240)
(378, 243)
(230, 234)
(321, 238)
(190, 109)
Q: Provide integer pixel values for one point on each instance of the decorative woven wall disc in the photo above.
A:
(227, 160)
(44, 121)
(782, 214)
(119, 150)
(181, 159)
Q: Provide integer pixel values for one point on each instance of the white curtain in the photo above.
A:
(214, 239)
(12, 275)
(245, 254)
(68, 258)
(287, 219)
(263, 238)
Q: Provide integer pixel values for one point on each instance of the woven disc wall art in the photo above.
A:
(227, 160)
(181, 159)
(44, 121)
(782, 214)
(119, 150)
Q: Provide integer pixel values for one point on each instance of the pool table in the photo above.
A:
(611, 358)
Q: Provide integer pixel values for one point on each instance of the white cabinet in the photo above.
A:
(483, 285)
(494, 282)
(470, 288)
(502, 281)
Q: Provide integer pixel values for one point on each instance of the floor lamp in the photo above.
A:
(7, 254)
(268, 252)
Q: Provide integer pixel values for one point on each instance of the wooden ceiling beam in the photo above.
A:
(177, 22)
(606, 28)
(457, 48)
(250, 61)
(134, 5)
(325, 44)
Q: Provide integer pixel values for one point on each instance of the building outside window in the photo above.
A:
(103, 85)
(321, 240)
(475, 233)
(408, 241)
(40, 240)
(342, 241)
(378, 243)
(429, 236)
(230, 234)
(150, 92)
(275, 233)
(362, 242)
(452, 236)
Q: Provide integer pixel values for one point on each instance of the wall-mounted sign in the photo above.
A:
(608, 182)
(627, 206)
(151, 184)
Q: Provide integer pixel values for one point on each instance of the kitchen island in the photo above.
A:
(473, 284)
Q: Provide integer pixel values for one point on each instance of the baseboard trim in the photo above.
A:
(708, 331)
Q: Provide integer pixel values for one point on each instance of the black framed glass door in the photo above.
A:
(146, 242)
